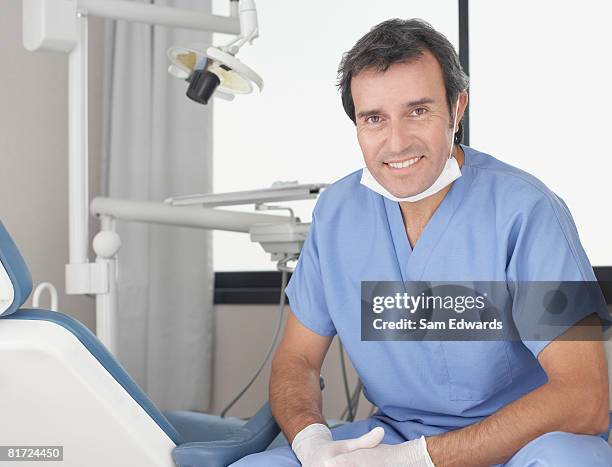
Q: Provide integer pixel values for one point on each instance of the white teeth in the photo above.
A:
(407, 163)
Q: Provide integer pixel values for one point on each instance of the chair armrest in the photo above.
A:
(255, 436)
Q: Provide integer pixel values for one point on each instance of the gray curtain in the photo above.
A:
(158, 143)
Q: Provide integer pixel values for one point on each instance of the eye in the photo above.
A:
(373, 119)
(420, 111)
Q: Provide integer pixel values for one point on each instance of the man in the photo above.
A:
(429, 208)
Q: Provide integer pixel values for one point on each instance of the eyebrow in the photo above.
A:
(422, 101)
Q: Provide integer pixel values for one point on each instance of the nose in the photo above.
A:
(398, 137)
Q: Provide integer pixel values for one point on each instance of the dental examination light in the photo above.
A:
(215, 71)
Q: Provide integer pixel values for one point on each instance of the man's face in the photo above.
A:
(402, 117)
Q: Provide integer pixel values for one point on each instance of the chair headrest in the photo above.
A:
(15, 279)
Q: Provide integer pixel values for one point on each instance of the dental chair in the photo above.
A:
(61, 387)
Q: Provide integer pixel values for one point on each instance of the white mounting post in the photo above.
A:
(81, 275)
(106, 245)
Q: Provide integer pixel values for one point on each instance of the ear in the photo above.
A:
(463, 103)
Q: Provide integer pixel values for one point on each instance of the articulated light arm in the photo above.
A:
(162, 213)
(159, 15)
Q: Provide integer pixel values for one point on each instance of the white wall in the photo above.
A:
(541, 97)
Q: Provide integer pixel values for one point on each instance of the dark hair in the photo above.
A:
(398, 41)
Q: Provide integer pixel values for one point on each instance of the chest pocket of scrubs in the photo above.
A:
(476, 370)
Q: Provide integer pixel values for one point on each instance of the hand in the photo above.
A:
(314, 446)
(409, 454)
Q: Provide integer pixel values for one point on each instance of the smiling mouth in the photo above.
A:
(402, 164)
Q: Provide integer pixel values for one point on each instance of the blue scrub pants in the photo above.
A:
(555, 449)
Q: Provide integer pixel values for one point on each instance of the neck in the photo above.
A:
(420, 212)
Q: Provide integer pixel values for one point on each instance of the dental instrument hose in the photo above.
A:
(284, 270)
(349, 401)
(354, 402)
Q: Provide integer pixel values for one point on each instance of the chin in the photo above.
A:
(399, 190)
(402, 193)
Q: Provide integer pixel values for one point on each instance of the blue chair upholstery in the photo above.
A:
(254, 436)
(18, 272)
(201, 439)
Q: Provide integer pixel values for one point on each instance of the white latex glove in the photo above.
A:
(409, 454)
(314, 446)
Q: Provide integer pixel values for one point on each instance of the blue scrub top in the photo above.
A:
(496, 223)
